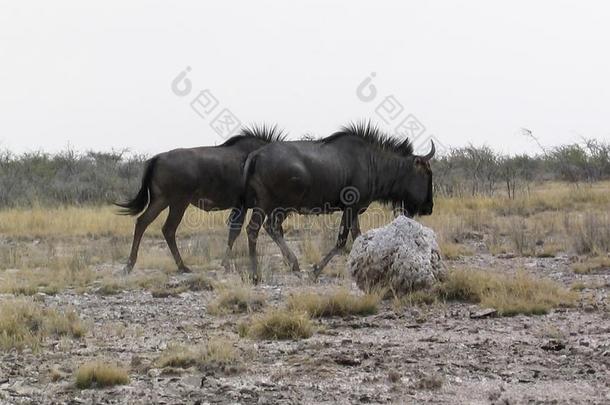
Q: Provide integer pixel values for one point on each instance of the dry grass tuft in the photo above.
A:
(310, 250)
(590, 233)
(592, 265)
(236, 300)
(167, 291)
(338, 303)
(452, 251)
(99, 374)
(24, 324)
(198, 282)
(415, 298)
(216, 352)
(66, 323)
(510, 295)
(162, 289)
(111, 287)
(279, 324)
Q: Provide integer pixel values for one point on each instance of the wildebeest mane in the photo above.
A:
(267, 133)
(373, 135)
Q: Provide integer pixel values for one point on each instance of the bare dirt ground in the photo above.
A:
(417, 354)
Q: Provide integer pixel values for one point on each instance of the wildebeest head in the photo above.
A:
(418, 196)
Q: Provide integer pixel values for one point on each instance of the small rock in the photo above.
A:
(347, 361)
(553, 345)
(403, 255)
(484, 313)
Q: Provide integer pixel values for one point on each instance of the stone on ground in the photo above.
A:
(402, 256)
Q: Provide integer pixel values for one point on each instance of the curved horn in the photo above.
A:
(430, 155)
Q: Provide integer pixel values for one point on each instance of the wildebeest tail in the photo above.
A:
(140, 201)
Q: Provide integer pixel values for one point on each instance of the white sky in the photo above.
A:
(97, 76)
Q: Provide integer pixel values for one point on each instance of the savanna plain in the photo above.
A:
(523, 315)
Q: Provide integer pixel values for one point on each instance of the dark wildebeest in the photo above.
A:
(346, 171)
(207, 177)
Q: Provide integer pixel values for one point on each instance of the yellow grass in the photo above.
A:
(25, 324)
(217, 351)
(99, 221)
(591, 265)
(279, 324)
(237, 298)
(336, 303)
(519, 293)
(98, 374)
(55, 249)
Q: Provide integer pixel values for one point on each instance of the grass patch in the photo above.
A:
(216, 352)
(310, 250)
(99, 374)
(452, 251)
(237, 300)
(167, 291)
(508, 294)
(110, 287)
(578, 286)
(338, 303)
(592, 265)
(415, 298)
(24, 324)
(198, 282)
(278, 324)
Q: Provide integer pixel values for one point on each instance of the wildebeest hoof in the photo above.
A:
(184, 269)
(315, 272)
(127, 269)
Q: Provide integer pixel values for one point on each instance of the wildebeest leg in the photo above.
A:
(355, 228)
(273, 226)
(346, 220)
(152, 211)
(176, 212)
(253, 228)
(236, 221)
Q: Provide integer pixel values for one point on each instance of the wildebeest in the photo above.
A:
(346, 171)
(207, 177)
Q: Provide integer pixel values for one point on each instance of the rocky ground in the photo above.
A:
(430, 354)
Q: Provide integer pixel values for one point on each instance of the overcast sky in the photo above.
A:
(99, 76)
